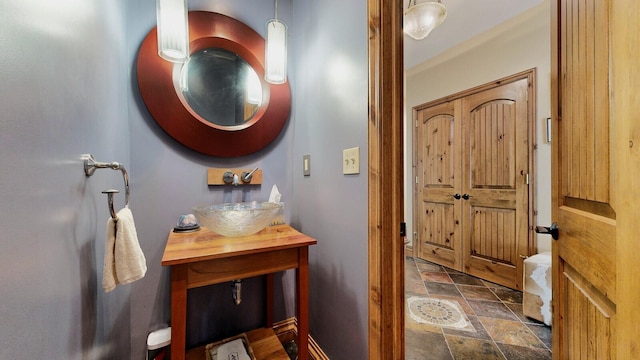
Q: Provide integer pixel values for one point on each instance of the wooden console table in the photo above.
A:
(204, 258)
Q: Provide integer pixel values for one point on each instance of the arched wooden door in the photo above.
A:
(473, 163)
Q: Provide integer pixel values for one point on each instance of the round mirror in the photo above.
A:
(221, 87)
(219, 104)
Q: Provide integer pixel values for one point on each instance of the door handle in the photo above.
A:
(466, 196)
(456, 196)
(551, 230)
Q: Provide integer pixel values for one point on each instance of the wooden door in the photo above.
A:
(584, 256)
(495, 172)
(473, 159)
(438, 191)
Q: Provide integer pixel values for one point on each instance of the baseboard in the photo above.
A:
(287, 330)
(408, 250)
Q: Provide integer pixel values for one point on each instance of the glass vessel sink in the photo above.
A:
(237, 219)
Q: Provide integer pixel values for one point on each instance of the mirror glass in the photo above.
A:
(208, 105)
(221, 87)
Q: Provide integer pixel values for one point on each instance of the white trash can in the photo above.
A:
(158, 344)
(536, 294)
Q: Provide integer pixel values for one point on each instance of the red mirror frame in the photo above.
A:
(173, 114)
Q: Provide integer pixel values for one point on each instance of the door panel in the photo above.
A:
(493, 234)
(491, 145)
(438, 233)
(472, 159)
(437, 162)
(586, 318)
(584, 256)
(494, 176)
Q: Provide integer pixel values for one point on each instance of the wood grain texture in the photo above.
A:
(585, 265)
(626, 192)
(206, 245)
(438, 152)
(264, 344)
(203, 258)
(385, 156)
(215, 271)
(178, 311)
(302, 310)
(287, 330)
(479, 143)
(499, 124)
(214, 176)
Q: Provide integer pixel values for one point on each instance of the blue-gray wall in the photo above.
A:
(67, 86)
(63, 81)
(331, 112)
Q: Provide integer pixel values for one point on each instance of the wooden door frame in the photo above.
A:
(626, 144)
(386, 184)
(386, 303)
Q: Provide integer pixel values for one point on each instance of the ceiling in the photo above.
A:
(465, 20)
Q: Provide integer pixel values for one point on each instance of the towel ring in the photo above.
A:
(90, 166)
(110, 193)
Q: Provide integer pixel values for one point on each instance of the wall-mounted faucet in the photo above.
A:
(247, 176)
(231, 177)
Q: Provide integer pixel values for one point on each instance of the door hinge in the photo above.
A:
(403, 229)
(416, 180)
(526, 179)
(416, 123)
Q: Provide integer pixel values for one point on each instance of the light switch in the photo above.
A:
(306, 165)
(351, 161)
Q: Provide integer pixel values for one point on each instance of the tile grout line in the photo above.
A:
(478, 316)
(500, 300)
(520, 320)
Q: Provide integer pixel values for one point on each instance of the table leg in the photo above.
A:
(302, 303)
(178, 311)
(269, 301)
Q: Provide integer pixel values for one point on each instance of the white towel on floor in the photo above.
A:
(124, 261)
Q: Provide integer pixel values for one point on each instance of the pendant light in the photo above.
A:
(173, 30)
(276, 50)
(422, 17)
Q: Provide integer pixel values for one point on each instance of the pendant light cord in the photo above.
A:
(276, 9)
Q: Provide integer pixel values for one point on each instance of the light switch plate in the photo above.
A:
(306, 165)
(351, 161)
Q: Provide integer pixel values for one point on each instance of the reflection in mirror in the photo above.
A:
(221, 87)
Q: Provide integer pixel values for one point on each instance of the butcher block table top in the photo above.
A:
(204, 244)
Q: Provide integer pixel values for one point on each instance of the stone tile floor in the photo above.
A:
(498, 329)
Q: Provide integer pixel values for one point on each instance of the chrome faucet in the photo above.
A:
(231, 178)
(246, 176)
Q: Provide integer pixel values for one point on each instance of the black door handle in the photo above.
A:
(456, 196)
(466, 196)
(551, 230)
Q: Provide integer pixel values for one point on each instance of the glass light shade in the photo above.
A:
(421, 18)
(173, 30)
(276, 52)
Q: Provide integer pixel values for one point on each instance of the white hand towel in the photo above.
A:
(124, 260)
